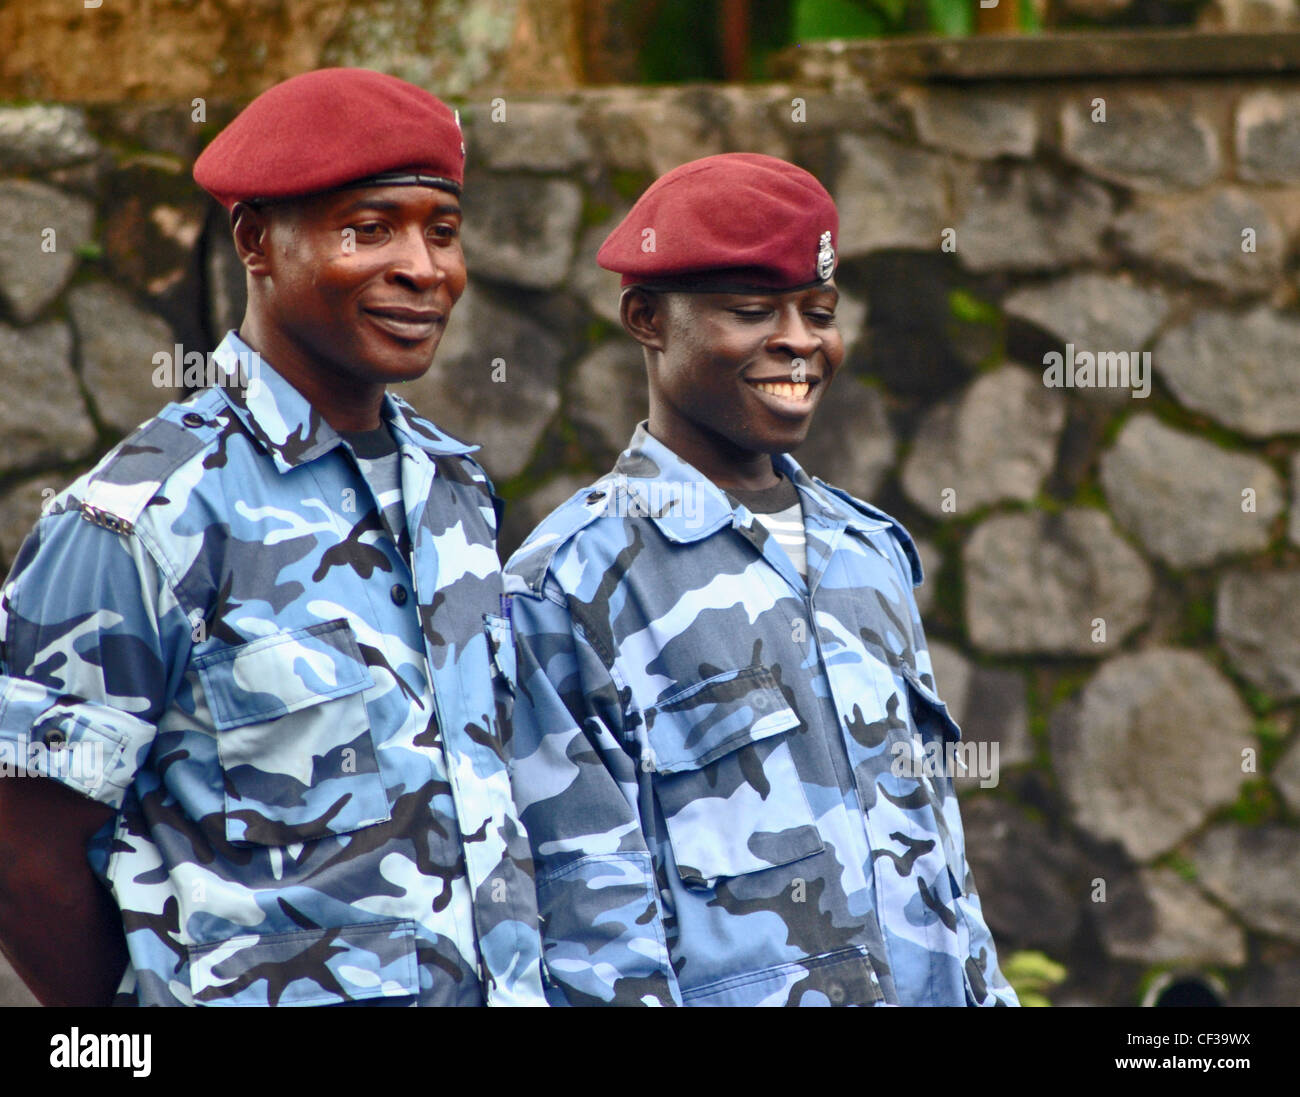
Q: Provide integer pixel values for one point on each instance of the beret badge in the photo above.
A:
(825, 257)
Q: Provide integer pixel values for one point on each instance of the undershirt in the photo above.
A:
(380, 463)
(779, 510)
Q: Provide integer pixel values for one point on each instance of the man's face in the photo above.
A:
(750, 368)
(362, 280)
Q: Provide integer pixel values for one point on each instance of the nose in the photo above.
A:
(413, 262)
(794, 334)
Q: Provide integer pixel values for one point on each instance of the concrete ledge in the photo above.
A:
(1038, 57)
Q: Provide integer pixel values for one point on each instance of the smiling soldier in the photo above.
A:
(718, 655)
(275, 610)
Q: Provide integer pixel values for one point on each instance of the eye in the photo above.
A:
(753, 312)
(822, 317)
(445, 231)
(368, 230)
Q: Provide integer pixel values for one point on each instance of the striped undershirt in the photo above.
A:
(779, 510)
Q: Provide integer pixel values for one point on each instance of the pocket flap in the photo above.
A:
(310, 967)
(716, 716)
(276, 675)
(928, 708)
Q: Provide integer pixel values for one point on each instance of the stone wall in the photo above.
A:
(1113, 572)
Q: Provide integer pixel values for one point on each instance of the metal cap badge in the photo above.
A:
(825, 257)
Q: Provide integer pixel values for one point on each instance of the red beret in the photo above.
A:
(736, 222)
(332, 128)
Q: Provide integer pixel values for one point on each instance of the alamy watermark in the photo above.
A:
(620, 497)
(194, 369)
(81, 763)
(976, 758)
(1083, 369)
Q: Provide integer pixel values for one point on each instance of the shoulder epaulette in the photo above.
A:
(118, 490)
(532, 559)
(896, 527)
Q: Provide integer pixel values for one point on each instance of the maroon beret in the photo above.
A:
(333, 128)
(737, 222)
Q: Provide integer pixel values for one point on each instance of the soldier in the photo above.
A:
(723, 684)
(262, 638)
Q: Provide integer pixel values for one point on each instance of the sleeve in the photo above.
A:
(576, 787)
(987, 982)
(92, 646)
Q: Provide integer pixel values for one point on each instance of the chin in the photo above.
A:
(408, 367)
(771, 443)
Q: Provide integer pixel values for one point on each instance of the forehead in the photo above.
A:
(410, 201)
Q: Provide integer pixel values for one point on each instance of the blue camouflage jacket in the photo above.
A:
(705, 747)
(302, 733)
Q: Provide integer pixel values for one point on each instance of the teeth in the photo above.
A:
(791, 390)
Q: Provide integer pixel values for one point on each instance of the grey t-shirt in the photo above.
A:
(380, 463)
(780, 511)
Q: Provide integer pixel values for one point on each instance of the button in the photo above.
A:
(398, 594)
(54, 739)
(595, 497)
(193, 419)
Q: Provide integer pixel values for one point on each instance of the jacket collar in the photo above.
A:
(285, 424)
(687, 506)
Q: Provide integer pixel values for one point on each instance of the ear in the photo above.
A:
(644, 314)
(251, 227)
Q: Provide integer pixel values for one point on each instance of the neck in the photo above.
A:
(345, 403)
(723, 462)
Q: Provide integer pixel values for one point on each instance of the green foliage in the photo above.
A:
(813, 19)
(1180, 418)
(1032, 975)
(1272, 739)
(595, 213)
(969, 309)
(843, 18)
(92, 251)
(1068, 684)
(1043, 503)
(977, 325)
(954, 17)
(1255, 805)
(1270, 731)
(1089, 494)
(1197, 626)
(598, 330)
(682, 43)
(1261, 704)
(629, 184)
(1040, 710)
(1179, 863)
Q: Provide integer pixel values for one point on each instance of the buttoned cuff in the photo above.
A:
(92, 748)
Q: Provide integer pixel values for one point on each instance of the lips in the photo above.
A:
(786, 398)
(405, 323)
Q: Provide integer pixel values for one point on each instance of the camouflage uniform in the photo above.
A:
(703, 746)
(302, 732)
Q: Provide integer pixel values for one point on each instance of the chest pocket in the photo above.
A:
(293, 737)
(940, 740)
(725, 779)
